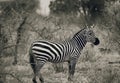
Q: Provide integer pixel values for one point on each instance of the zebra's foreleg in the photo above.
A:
(41, 78)
(38, 66)
(72, 64)
(34, 79)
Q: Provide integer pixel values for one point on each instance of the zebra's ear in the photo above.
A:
(87, 27)
(86, 31)
(92, 26)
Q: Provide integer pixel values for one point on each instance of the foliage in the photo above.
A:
(108, 74)
(3, 39)
(18, 6)
(66, 6)
(12, 14)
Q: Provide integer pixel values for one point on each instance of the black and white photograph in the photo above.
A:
(59, 41)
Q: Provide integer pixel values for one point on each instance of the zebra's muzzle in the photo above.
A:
(96, 41)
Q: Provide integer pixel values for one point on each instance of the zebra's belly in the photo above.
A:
(56, 60)
(59, 60)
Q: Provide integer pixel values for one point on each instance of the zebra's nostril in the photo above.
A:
(96, 41)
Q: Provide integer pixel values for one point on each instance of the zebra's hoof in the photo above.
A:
(70, 79)
(42, 80)
(34, 81)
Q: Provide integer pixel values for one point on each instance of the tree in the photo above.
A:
(65, 6)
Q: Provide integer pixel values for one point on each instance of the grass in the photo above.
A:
(99, 71)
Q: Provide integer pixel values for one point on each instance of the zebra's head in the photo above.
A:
(90, 36)
(86, 35)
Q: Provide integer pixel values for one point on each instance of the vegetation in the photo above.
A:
(20, 26)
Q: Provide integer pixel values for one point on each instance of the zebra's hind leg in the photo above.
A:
(71, 64)
(38, 66)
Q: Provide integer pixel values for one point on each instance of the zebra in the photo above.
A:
(67, 51)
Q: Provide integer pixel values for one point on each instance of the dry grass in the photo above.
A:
(99, 71)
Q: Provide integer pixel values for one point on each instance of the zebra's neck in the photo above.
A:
(80, 41)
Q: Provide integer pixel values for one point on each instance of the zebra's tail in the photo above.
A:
(31, 59)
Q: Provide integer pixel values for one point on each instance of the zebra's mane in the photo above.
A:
(79, 32)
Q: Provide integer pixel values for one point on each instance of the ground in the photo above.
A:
(97, 70)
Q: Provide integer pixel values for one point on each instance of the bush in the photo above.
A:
(66, 6)
(18, 6)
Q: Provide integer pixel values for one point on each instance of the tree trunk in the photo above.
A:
(19, 32)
